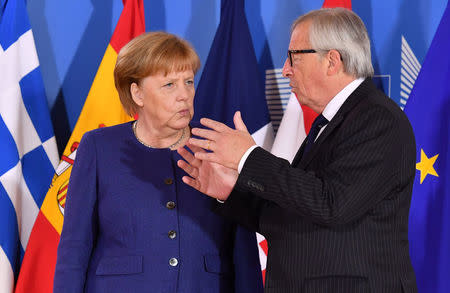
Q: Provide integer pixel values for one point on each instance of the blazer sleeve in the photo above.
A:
(369, 160)
(80, 221)
(247, 267)
(243, 208)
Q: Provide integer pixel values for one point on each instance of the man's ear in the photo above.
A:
(335, 64)
(136, 94)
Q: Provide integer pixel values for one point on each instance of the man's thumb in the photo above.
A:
(238, 122)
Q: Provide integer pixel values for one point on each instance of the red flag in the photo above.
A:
(337, 3)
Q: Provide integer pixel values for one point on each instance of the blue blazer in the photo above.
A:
(132, 225)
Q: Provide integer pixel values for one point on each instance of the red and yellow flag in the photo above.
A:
(101, 108)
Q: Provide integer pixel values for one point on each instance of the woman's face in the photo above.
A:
(166, 101)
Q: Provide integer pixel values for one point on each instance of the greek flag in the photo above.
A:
(28, 151)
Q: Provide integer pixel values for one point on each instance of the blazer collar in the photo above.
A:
(359, 93)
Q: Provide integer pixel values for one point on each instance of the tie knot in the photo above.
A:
(319, 122)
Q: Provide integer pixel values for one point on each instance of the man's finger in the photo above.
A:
(210, 157)
(195, 149)
(238, 122)
(185, 166)
(201, 143)
(191, 171)
(213, 124)
(205, 133)
(185, 154)
(191, 182)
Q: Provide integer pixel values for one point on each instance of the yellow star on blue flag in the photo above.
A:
(425, 166)
(429, 217)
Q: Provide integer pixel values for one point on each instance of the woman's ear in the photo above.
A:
(136, 94)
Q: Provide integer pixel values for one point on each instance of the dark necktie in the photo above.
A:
(318, 123)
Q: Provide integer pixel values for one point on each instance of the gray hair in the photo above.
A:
(342, 30)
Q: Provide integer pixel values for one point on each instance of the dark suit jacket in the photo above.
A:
(336, 220)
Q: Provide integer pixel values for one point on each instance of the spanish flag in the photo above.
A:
(102, 108)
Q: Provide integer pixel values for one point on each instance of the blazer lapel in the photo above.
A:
(361, 92)
(299, 154)
(313, 151)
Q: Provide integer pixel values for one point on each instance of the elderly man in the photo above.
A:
(336, 219)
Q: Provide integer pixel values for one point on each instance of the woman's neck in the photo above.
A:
(160, 137)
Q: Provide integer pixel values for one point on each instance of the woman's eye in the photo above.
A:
(190, 82)
(169, 85)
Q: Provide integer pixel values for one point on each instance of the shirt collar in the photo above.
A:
(333, 106)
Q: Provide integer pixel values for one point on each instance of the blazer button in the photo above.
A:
(170, 205)
(168, 181)
(172, 234)
(173, 262)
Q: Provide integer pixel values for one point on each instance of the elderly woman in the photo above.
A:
(130, 224)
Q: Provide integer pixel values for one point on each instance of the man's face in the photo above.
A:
(308, 71)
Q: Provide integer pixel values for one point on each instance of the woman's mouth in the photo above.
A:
(184, 112)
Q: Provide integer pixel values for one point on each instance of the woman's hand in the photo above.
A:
(209, 178)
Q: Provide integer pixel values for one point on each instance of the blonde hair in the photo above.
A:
(148, 54)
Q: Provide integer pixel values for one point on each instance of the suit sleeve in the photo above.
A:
(365, 166)
(243, 208)
(80, 221)
(247, 267)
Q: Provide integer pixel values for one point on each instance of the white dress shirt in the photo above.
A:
(330, 110)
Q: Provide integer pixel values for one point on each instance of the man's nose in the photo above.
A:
(287, 68)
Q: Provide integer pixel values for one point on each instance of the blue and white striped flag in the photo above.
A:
(28, 153)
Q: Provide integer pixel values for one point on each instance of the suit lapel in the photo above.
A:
(313, 151)
(299, 154)
(361, 92)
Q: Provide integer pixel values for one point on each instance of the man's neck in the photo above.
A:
(334, 86)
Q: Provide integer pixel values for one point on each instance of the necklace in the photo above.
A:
(149, 146)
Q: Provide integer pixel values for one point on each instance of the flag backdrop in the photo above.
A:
(102, 108)
(297, 119)
(231, 81)
(428, 109)
(28, 151)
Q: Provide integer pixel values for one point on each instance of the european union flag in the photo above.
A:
(428, 109)
(230, 82)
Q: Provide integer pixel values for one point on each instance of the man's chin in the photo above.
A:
(300, 99)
